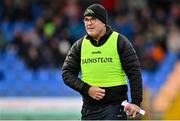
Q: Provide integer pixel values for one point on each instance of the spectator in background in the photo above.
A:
(62, 20)
(33, 59)
(104, 57)
(3, 42)
(144, 55)
(173, 39)
(124, 26)
(8, 10)
(72, 11)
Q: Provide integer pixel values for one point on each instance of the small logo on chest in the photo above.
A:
(96, 52)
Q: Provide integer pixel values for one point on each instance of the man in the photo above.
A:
(103, 57)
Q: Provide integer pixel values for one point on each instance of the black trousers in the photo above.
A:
(109, 112)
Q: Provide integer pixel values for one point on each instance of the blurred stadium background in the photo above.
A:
(35, 36)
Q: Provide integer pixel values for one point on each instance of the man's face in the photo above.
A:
(93, 26)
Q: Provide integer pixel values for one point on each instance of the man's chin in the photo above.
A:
(91, 34)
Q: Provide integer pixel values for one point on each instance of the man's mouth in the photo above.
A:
(90, 28)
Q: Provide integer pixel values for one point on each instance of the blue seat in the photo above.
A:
(164, 69)
(25, 76)
(3, 87)
(19, 65)
(7, 88)
(43, 74)
(10, 75)
(8, 28)
(3, 66)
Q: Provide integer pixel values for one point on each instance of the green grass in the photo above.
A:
(45, 115)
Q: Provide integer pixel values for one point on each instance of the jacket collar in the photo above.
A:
(103, 39)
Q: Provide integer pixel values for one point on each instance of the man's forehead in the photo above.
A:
(89, 17)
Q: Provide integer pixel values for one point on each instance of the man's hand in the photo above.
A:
(132, 110)
(96, 93)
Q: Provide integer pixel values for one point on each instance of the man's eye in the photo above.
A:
(93, 19)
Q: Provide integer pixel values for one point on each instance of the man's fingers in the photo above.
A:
(100, 97)
(96, 93)
(96, 98)
(134, 114)
(101, 90)
(131, 110)
(126, 108)
(101, 94)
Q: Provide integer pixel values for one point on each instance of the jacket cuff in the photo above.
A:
(86, 88)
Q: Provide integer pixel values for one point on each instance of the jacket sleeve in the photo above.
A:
(131, 66)
(71, 69)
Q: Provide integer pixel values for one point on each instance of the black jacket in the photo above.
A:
(130, 64)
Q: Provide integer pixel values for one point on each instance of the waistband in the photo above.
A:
(113, 95)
